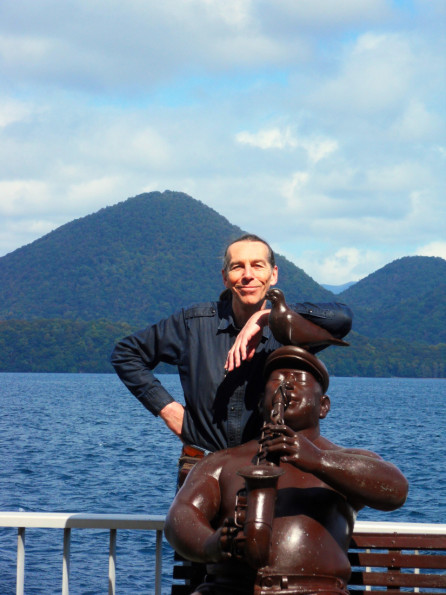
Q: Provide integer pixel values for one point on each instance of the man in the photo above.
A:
(320, 491)
(220, 372)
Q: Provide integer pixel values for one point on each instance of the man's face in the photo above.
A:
(249, 274)
(305, 403)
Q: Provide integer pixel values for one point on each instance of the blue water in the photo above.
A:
(82, 443)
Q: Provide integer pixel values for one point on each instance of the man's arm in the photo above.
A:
(334, 317)
(363, 477)
(134, 358)
(172, 415)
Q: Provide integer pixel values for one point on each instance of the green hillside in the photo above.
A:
(405, 300)
(58, 345)
(68, 297)
(134, 262)
(78, 346)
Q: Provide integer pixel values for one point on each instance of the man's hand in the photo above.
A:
(292, 447)
(247, 340)
(172, 415)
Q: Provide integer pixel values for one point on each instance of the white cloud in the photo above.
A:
(23, 197)
(342, 266)
(12, 111)
(275, 138)
(432, 249)
(417, 123)
(375, 75)
(294, 190)
(91, 191)
(268, 139)
(318, 124)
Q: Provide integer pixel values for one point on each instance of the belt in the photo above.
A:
(190, 455)
(195, 452)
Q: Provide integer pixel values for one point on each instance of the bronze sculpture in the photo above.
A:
(275, 515)
(290, 328)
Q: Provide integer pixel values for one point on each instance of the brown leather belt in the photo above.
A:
(192, 451)
(190, 455)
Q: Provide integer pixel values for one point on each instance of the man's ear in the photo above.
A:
(225, 277)
(325, 406)
(274, 275)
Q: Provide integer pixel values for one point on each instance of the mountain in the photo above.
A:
(405, 300)
(338, 288)
(68, 297)
(136, 262)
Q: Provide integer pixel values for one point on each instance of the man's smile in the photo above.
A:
(248, 286)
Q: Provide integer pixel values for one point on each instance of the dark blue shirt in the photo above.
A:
(221, 410)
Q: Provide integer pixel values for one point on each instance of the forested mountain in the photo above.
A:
(66, 298)
(404, 300)
(134, 262)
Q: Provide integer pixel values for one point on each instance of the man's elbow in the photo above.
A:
(394, 496)
(344, 321)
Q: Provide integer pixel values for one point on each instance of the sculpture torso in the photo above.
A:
(312, 525)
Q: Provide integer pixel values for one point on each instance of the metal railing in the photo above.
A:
(68, 521)
(114, 522)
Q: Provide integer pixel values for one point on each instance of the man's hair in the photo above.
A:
(249, 237)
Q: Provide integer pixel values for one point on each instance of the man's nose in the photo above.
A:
(247, 272)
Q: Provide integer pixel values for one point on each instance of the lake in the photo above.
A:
(82, 443)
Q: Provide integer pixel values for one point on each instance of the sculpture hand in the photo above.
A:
(221, 545)
(292, 447)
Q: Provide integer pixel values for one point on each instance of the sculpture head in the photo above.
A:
(296, 382)
(275, 295)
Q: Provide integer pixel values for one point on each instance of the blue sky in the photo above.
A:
(317, 124)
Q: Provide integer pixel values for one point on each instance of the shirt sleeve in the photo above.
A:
(135, 356)
(334, 317)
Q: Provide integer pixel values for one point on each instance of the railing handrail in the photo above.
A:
(73, 520)
(81, 520)
(113, 522)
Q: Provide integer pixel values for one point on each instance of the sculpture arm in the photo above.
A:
(188, 523)
(363, 477)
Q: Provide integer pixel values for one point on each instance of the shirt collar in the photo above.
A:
(226, 317)
(227, 322)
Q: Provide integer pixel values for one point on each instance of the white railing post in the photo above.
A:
(66, 562)
(112, 563)
(158, 561)
(20, 585)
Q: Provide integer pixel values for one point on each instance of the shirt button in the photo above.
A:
(232, 408)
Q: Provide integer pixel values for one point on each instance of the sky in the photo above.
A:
(316, 124)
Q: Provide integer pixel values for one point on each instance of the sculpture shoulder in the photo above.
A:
(325, 444)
